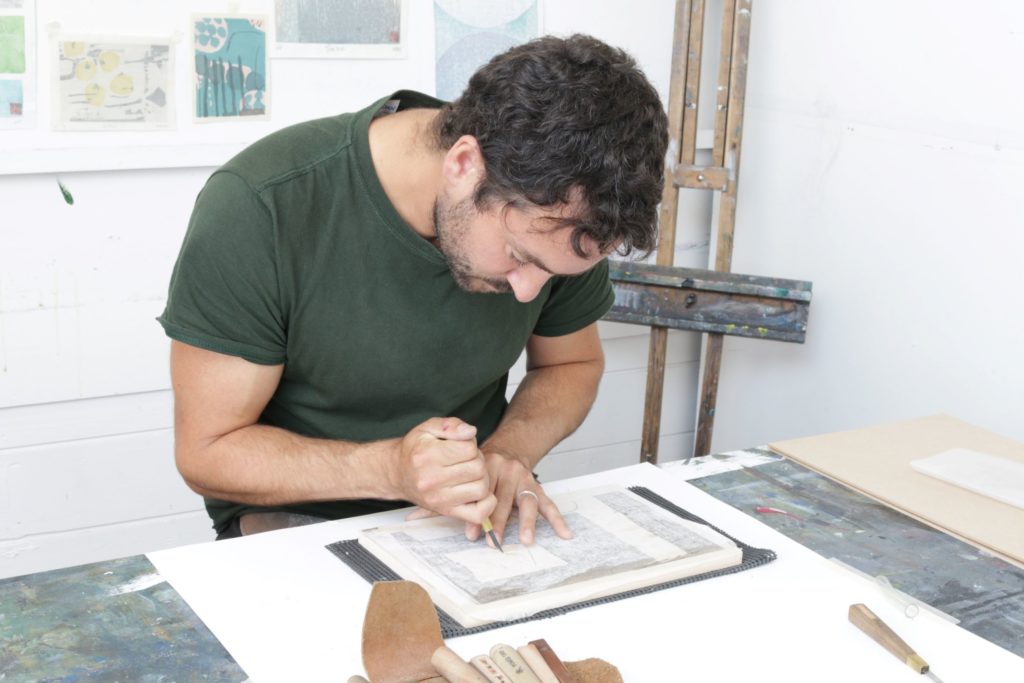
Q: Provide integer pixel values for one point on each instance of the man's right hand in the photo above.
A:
(438, 466)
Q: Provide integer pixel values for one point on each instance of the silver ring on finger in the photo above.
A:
(527, 492)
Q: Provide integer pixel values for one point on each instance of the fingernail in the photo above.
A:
(466, 429)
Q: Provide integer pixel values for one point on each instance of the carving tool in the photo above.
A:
(487, 526)
(556, 665)
(453, 668)
(868, 622)
(489, 530)
(512, 664)
(535, 661)
(485, 665)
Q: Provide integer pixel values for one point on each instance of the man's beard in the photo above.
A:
(451, 225)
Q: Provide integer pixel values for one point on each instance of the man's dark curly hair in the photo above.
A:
(564, 118)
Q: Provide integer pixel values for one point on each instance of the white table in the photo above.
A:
(288, 610)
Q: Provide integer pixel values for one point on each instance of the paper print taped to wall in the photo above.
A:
(340, 28)
(230, 73)
(17, 64)
(469, 32)
(12, 99)
(12, 44)
(113, 85)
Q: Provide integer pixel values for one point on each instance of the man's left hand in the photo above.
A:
(514, 486)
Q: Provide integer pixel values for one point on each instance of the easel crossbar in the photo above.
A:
(710, 280)
(710, 301)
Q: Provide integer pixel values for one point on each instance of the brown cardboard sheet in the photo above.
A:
(876, 462)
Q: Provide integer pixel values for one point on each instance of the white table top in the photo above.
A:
(288, 610)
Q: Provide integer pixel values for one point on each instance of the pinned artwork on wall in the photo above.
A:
(345, 29)
(17, 64)
(115, 84)
(469, 32)
(230, 73)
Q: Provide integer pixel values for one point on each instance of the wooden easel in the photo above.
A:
(711, 301)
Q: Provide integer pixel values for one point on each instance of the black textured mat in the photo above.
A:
(370, 568)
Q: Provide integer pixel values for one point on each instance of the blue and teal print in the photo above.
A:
(231, 67)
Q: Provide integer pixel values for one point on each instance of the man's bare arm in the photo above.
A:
(222, 452)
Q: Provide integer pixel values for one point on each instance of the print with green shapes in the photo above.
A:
(12, 45)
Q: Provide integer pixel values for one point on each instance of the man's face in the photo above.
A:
(505, 249)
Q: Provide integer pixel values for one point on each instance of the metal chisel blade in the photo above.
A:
(489, 530)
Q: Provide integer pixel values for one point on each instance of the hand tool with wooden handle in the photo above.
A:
(868, 622)
(454, 668)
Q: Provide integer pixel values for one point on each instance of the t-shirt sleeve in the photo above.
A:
(576, 302)
(224, 294)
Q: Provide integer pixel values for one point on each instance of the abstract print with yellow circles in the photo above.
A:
(112, 85)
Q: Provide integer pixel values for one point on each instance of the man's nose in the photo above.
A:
(527, 281)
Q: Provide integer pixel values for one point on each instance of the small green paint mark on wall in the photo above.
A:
(64, 192)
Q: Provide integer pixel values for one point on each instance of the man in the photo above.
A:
(352, 292)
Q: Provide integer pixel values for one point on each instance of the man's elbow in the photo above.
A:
(190, 463)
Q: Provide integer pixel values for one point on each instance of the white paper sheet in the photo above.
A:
(288, 610)
(998, 478)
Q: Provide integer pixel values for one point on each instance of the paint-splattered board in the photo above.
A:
(114, 620)
(984, 592)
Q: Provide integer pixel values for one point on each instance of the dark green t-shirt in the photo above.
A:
(295, 256)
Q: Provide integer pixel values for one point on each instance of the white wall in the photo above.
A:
(884, 161)
(880, 151)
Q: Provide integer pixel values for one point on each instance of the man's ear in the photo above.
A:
(463, 164)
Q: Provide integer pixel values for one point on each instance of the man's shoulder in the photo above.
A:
(298, 148)
(292, 150)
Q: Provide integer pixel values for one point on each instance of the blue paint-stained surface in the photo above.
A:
(984, 592)
(88, 624)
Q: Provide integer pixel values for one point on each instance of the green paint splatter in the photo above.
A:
(762, 331)
(67, 195)
(730, 328)
(781, 291)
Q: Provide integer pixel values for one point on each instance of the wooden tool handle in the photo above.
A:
(454, 668)
(868, 622)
